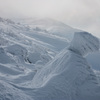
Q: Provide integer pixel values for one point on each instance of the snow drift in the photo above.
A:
(84, 43)
(69, 76)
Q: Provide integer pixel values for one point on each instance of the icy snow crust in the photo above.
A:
(29, 69)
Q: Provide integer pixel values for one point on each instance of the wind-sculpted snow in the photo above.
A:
(51, 26)
(84, 43)
(69, 76)
(8, 92)
(94, 60)
(4, 58)
(31, 67)
(8, 21)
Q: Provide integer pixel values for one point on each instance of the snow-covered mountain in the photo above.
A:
(50, 26)
(42, 59)
(58, 29)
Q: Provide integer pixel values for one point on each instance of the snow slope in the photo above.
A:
(35, 66)
(18, 62)
(50, 26)
(94, 60)
(8, 92)
(69, 76)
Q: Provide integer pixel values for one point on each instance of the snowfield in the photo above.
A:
(44, 59)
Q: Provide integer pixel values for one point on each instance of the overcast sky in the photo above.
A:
(82, 14)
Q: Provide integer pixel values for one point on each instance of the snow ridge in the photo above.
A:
(84, 43)
(69, 76)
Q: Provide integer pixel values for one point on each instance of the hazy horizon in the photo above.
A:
(81, 14)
